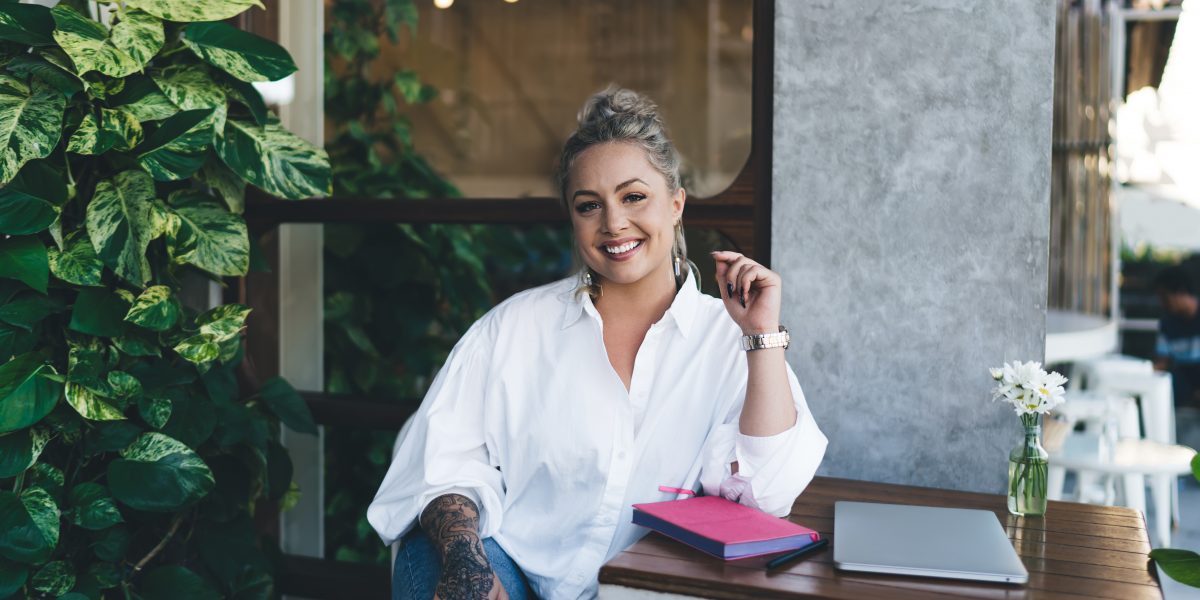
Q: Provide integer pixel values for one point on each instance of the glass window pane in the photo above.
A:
(511, 77)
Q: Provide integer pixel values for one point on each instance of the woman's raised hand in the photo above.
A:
(752, 293)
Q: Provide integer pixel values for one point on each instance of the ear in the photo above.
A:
(677, 202)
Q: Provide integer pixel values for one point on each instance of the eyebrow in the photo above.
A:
(579, 193)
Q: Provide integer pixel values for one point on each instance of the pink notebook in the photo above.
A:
(722, 528)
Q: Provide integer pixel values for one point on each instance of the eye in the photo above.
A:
(635, 197)
(586, 207)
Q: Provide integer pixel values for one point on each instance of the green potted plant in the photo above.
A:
(130, 462)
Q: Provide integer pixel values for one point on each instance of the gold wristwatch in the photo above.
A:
(762, 341)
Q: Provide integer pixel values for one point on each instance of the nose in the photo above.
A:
(615, 219)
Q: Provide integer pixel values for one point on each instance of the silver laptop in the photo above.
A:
(923, 540)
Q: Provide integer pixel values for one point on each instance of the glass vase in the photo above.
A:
(1027, 471)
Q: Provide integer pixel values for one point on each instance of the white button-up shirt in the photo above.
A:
(529, 419)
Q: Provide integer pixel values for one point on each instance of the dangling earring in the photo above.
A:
(587, 277)
(678, 265)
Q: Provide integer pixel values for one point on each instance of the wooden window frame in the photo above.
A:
(742, 213)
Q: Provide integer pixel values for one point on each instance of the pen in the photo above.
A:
(780, 560)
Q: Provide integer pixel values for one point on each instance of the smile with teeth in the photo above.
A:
(623, 248)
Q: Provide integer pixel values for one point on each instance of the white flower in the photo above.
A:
(1028, 387)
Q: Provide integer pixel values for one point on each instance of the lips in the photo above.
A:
(621, 249)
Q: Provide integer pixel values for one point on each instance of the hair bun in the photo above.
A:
(616, 103)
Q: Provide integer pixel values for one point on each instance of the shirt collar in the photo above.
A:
(682, 311)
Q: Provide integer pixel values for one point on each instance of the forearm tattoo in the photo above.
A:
(452, 523)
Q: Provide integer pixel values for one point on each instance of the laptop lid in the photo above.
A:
(925, 541)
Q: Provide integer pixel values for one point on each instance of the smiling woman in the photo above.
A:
(516, 476)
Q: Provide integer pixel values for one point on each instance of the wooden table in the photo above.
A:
(1077, 551)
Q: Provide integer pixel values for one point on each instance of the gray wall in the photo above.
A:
(911, 224)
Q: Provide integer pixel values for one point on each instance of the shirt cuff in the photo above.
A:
(753, 450)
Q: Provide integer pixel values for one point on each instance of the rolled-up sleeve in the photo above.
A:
(442, 448)
(772, 470)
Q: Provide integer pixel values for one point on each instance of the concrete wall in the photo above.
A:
(911, 224)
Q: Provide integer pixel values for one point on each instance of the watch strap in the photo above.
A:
(762, 341)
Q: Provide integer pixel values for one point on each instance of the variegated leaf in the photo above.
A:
(155, 309)
(53, 579)
(117, 129)
(242, 54)
(159, 473)
(218, 326)
(275, 159)
(30, 523)
(86, 138)
(152, 447)
(30, 123)
(124, 387)
(198, 349)
(189, 86)
(155, 411)
(44, 512)
(25, 24)
(124, 50)
(90, 405)
(193, 10)
(60, 79)
(212, 239)
(78, 264)
(225, 182)
(135, 344)
(139, 34)
(177, 148)
(247, 95)
(92, 507)
(142, 99)
(119, 222)
(223, 322)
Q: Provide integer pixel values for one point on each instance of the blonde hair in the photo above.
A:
(621, 115)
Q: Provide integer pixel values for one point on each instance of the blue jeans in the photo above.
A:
(418, 567)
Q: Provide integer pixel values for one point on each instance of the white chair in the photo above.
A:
(1084, 372)
(1110, 451)
(1156, 399)
(1106, 419)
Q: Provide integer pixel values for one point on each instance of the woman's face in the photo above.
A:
(623, 212)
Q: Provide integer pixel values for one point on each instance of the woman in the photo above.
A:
(568, 403)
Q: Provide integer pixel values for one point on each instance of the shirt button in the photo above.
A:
(621, 455)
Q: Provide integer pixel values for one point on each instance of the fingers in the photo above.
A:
(498, 589)
(751, 274)
(736, 275)
(728, 267)
(722, 267)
